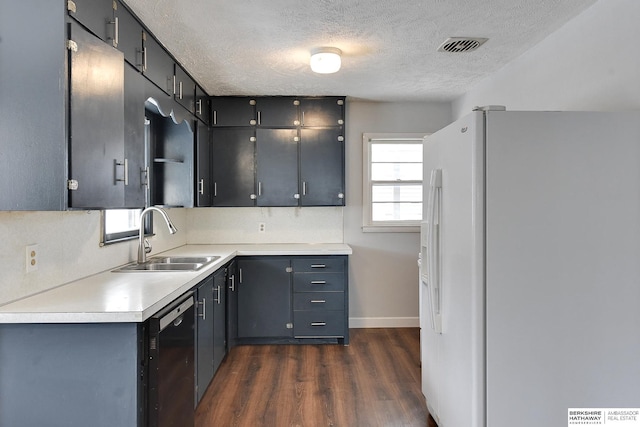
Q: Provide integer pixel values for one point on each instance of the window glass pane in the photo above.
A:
(396, 211)
(396, 171)
(121, 220)
(396, 152)
(396, 193)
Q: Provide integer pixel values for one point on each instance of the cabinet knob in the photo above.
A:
(252, 122)
(253, 197)
(340, 195)
(340, 122)
(252, 102)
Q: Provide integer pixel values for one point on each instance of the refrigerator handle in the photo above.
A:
(434, 250)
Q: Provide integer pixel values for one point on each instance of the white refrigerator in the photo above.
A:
(530, 267)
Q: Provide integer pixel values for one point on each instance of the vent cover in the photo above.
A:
(461, 44)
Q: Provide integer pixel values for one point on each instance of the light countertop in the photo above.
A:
(135, 296)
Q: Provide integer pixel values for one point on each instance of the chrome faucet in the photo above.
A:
(142, 251)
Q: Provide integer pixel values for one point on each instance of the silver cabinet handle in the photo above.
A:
(259, 118)
(302, 124)
(174, 84)
(318, 266)
(204, 309)
(318, 301)
(259, 188)
(125, 177)
(144, 58)
(199, 106)
(180, 89)
(318, 282)
(215, 117)
(233, 283)
(318, 323)
(218, 297)
(201, 186)
(240, 273)
(215, 189)
(304, 188)
(116, 30)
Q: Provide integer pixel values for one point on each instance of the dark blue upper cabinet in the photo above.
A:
(95, 15)
(233, 111)
(157, 64)
(128, 38)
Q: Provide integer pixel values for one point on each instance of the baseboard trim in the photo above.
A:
(384, 322)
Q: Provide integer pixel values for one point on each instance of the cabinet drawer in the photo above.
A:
(318, 282)
(318, 324)
(318, 301)
(327, 264)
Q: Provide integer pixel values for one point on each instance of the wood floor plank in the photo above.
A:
(375, 381)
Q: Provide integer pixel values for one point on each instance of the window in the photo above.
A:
(392, 193)
(122, 224)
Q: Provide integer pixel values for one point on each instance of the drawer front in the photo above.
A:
(307, 324)
(321, 264)
(318, 282)
(318, 301)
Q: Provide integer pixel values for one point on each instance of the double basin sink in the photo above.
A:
(169, 263)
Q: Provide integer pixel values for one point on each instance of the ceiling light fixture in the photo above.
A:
(325, 60)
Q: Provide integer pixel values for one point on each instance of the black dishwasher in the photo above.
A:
(170, 358)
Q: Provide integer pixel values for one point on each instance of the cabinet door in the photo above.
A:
(185, 89)
(96, 131)
(203, 165)
(204, 336)
(219, 318)
(157, 65)
(135, 152)
(277, 111)
(128, 38)
(264, 298)
(322, 167)
(202, 106)
(277, 167)
(233, 111)
(233, 167)
(96, 15)
(325, 111)
(232, 304)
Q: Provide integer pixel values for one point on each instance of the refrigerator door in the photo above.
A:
(453, 360)
(563, 244)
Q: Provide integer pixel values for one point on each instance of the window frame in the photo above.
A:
(123, 236)
(368, 225)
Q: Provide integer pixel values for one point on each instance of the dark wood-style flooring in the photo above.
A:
(375, 381)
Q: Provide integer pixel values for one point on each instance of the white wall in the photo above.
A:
(69, 248)
(588, 64)
(383, 268)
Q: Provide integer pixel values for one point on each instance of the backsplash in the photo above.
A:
(68, 248)
(281, 225)
(69, 242)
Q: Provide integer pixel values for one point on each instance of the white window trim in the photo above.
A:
(368, 226)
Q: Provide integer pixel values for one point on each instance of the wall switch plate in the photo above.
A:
(262, 227)
(32, 258)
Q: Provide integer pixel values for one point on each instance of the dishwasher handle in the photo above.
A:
(175, 312)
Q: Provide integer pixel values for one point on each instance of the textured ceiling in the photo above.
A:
(261, 47)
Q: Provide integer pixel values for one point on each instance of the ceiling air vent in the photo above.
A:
(461, 44)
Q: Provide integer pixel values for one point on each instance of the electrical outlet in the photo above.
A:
(261, 227)
(32, 260)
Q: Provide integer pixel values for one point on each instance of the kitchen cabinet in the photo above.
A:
(136, 186)
(219, 317)
(171, 155)
(297, 299)
(204, 336)
(184, 89)
(98, 169)
(322, 111)
(232, 304)
(202, 106)
(320, 301)
(277, 111)
(233, 111)
(233, 166)
(264, 298)
(298, 157)
(322, 167)
(277, 167)
(128, 38)
(95, 15)
(157, 64)
(204, 193)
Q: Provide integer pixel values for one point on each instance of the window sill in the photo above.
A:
(390, 229)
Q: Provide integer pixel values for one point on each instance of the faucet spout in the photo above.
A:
(142, 254)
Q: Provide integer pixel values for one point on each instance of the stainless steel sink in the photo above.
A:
(169, 263)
